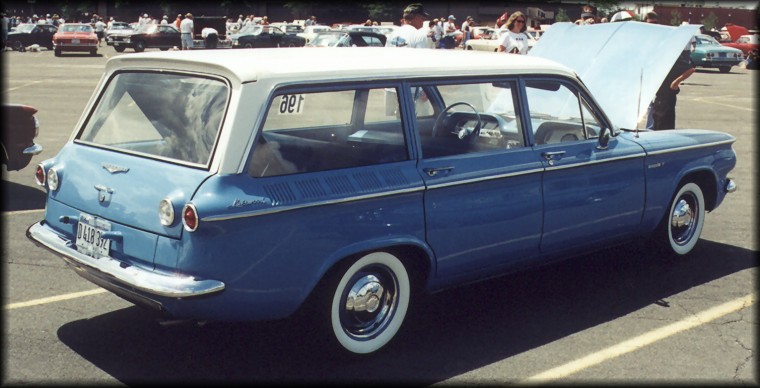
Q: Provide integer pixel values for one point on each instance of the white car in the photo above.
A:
(310, 32)
(493, 42)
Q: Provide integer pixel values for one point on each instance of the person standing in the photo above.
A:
(664, 104)
(467, 30)
(186, 31)
(515, 40)
(449, 30)
(651, 17)
(100, 30)
(211, 37)
(409, 34)
(178, 21)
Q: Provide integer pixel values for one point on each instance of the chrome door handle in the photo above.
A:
(434, 171)
(551, 156)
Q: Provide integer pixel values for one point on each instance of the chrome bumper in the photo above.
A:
(120, 274)
(34, 149)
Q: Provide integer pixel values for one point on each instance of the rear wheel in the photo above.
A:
(118, 49)
(248, 45)
(57, 52)
(724, 69)
(367, 302)
(94, 52)
(680, 229)
(139, 46)
(17, 45)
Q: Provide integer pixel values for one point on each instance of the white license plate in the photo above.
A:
(75, 41)
(89, 240)
(115, 43)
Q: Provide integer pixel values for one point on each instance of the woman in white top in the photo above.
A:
(515, 41)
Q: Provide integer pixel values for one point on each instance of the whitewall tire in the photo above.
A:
(684, 220)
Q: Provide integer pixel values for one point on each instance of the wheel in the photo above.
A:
(462, 134)
(57, 52)
(368, 302)
(680, 229)
(248, 45)
(469, 47)
(139, 46)
(94, 52)
(164, 48)
(17, 45)
(119, 49)
(724, 69)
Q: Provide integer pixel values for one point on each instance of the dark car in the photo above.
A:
(161, 36)
(257, 36)
(28, 34)
(351, 38)
(20, 127)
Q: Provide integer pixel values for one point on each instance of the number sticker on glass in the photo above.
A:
(89, 232)
(291, 104)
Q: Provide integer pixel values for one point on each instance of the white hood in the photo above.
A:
(622, 64)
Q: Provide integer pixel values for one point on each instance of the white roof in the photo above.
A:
(248, 65)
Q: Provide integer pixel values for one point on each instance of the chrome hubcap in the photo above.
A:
(683, 222)
(369, 303)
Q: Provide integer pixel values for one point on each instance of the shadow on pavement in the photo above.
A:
(445, 335)
(21, 197)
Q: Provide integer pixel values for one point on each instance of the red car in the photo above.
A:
(746, 43)
(19, 130)
(78, 37)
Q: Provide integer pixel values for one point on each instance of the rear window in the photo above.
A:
(172, 116)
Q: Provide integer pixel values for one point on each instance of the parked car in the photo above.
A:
(258, 189)
(26, 35)
(310, 31)
(289, 28)
(20, 128)
(348, 38)
(708, 53)
(161, 36)
(78, 37)
(745, 43)
(494, 39)
(120, 29)
(481, 32)
(258, 36)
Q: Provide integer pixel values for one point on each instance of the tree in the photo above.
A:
(605, 7)
(561, 16)
(382, 11)
(710, 22)
(675, 18)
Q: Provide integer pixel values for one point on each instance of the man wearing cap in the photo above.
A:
(449, 29)
(467, 29)
(409, 34)
(186, 31)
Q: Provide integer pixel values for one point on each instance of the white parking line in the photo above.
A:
(641, 341)
(54, 299)
(24, 85)
(10, 213)
(706, 100)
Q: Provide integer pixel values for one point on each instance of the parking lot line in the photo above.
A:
(13, 212)
(643, 340)
(707, 100)
(53, 299)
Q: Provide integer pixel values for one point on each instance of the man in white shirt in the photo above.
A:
(210, 36)
(409, 34)
(449, 32)
(186, 31)
(100, 28)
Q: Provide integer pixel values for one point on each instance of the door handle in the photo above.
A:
(552, 156)
(433, 171)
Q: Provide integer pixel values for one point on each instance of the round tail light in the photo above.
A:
(52, 178)
(166, 212)
(190, 217)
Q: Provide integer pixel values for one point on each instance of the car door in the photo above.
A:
(483, 184)
(589, 194)
(275, 37)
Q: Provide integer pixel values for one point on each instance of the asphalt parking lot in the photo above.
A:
(622, 315)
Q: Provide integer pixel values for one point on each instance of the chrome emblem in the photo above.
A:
(102, 191)
(112, 168)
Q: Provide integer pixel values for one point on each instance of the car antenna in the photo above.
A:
(638, 109)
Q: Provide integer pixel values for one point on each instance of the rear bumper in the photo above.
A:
(115, 275)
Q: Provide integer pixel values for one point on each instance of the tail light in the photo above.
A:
(52, 179)
(190, 217)
(166, 212)
(39, 175)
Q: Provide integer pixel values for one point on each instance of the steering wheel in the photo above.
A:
(462, 135)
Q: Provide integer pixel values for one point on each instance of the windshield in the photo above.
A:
(147, 29)
(76, 28)
(25, 28)
(120, 27)
(173, 116)
(250, 30)
(707, 40)
(325, 40)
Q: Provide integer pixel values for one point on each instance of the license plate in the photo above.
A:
(89, 240)
(722, 55)
(75, 41)
(115, 43)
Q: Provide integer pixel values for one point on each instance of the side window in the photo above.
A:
(475, 117)
(309, 132)
(556, 112)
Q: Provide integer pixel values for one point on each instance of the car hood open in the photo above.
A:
(622, 63)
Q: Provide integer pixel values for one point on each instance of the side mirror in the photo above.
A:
(604, 139)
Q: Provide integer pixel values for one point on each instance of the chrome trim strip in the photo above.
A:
(483, 179)
(111, 271)
(261, 212)
(691, 147)
(574, 165)
(34, 149)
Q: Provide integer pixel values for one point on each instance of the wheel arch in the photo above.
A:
(707, 181)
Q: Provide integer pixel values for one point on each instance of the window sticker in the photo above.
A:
(291, 104)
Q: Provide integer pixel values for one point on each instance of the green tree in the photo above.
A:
(675, 18)
(710, 22)
(605, 7)
(382, 11)
(561, 16)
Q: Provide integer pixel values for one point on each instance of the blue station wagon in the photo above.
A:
(213, 187)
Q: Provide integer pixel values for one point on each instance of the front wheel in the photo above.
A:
(682, 225)
(119, 49)
(139, 46)
(369, 302)
(724, 69)
(57, 52)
